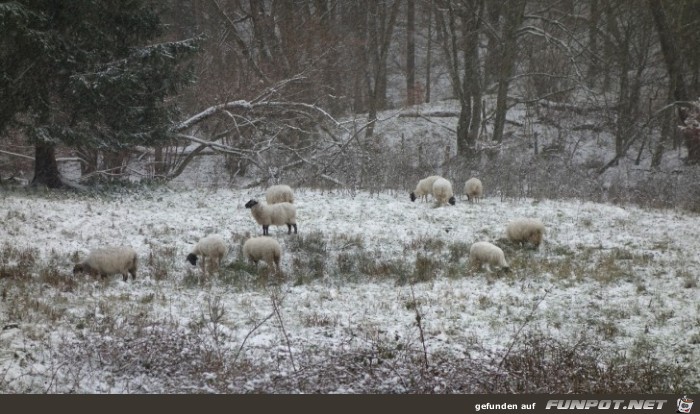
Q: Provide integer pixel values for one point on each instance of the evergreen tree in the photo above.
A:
(86, 73)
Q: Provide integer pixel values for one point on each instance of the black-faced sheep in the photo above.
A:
(107, 261)
(482, 252)
(474, 189)
(263, 248)
(442, 191)
(213, 248)
(423, 188)
(526, 230)
(279, 194)
(274, 214)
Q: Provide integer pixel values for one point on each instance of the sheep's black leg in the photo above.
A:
(289, 228)
(265, 230)
(295, 228)
(133, 274)
(125, 276)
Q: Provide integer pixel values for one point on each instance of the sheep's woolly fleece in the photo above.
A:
(454, 315)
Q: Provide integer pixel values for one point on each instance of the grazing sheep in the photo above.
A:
(485, 252)
(107, 261)
(474, 189)
(274, 214)
(279, 194)
(263, 248)
(442, 191)
(525, 230)
(423, 188)
(213, 247)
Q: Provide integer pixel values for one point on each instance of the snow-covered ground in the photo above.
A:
(624, 277)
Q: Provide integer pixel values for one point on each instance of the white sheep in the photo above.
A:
(474, 189)
(263, 248)
(442, 191)
(423, 188)
(273, 214)
(526, 230)
(488, 253)
(279, 194)
(107, 261)
(212, 247)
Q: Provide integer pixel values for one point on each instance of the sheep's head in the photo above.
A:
(192, 258)
(250, 203)
(536, 238)
(413, 196)
(452, 200)
(78, 268)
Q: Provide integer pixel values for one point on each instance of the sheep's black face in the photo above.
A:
(78, 268)
(250, 204)
(413, 196)
(192, 258)
(452, 200)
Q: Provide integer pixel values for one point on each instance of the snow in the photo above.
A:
(625, 285)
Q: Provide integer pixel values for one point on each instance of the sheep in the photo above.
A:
(275, 214)
(279, 194)
(423, 188)
(107, 261)
(474, 189)
(213, 247)
(485, 252)
(263, 248)
(525, 230)
(442, 191)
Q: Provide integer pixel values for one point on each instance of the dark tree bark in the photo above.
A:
(494, 44)
(381, 22)
(429, 52)
(411, 53)
(45, 166)
(593, 22)
(669, 50)
(674, 66)
(514, 15)
(470, 96)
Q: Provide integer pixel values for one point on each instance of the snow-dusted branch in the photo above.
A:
(212, 110)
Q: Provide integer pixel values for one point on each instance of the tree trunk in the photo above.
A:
(493, 50)
(593, 23)
(672, 57)
(514, 16)
(470, 96)
(380, 31)
(669, 50)
(428, 57)
(410, 53)
(45, 166)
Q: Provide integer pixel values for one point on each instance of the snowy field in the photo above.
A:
(356, 276)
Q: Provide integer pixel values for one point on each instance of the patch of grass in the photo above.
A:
(161, 261)
(310, 243)
(345, 241)
(242, 274)
(424, 244)
(308, 267)
(17, 263)
(458, 251)
(318, 319)
(427, 268)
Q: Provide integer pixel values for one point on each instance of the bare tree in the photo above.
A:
(514, 15)
(460, 25)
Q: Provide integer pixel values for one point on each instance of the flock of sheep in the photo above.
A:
(279, 210)
(521, 231)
